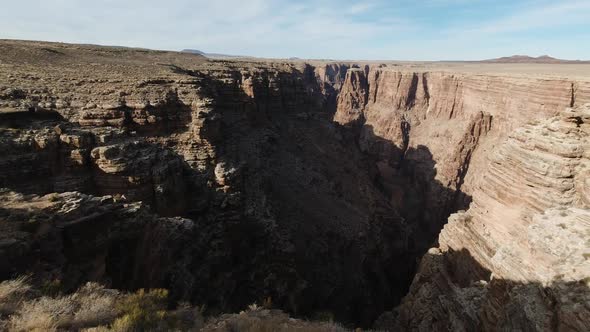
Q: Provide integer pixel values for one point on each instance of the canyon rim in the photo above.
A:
(384, 195)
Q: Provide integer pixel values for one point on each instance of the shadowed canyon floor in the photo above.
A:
(400, 196)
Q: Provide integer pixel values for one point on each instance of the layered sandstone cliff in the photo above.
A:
(436, 128)
(518, 259)
(283, 202)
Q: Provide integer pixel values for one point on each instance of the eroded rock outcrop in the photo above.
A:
(444, 128)
(435, 129)
(283, 202)
(518, 258)
(73, 238)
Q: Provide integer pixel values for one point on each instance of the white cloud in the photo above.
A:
(534, 16)
(259, 27)
(366, 29)
(360, 7)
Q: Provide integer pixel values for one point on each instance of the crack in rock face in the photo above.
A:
(377, 195)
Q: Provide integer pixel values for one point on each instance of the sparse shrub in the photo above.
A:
(51, 287)
(39, 322)
(118, 197)
(31, 225)
(43, 314)
(96, 306)
(324, 316)
(53, 197)
(12, 294)
(142, 310)
(264, 320)
(253, 307)
(186, 318)
(91, 308)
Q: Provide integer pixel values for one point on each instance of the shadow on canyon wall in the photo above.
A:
(22, 119)
(333, 242)
(455, 292)
(407, 176)
(305, 217)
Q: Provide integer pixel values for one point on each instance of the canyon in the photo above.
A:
(397, 196)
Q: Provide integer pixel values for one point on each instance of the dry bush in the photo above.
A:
(53, 197)
(51, 287)
(12, 294)
(96, 306)
(146, 311)
(186, 318)
(91, 306)
(142, 311)
(43, 314)
(258, 319)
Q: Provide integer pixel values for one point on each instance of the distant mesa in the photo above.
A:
(188, 50)
(529, 59)
(221, 56)
(213, 55)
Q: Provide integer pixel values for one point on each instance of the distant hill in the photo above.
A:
(213, 55)
(188, 50)
(528, 59)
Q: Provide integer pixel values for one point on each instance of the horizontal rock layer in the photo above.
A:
(441, 126)
(283, 202)
(503, 146)
(519, 257)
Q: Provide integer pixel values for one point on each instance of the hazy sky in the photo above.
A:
(379, 29)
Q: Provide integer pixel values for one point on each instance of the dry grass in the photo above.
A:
(91, 308)
(259, 319)
(43, 314)
(12, 294)
(94, 308)
(143, 311)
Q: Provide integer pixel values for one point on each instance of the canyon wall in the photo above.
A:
(282, 203)
(442, 126)
(518, 259)
(513, 151)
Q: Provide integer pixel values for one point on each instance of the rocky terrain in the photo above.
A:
(92, 307)
(317, 185)
(518, 258)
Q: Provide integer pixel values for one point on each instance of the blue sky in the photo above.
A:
(369, 29)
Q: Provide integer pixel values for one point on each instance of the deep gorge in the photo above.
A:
(319, 186)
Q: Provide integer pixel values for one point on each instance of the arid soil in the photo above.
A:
(404, 196)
